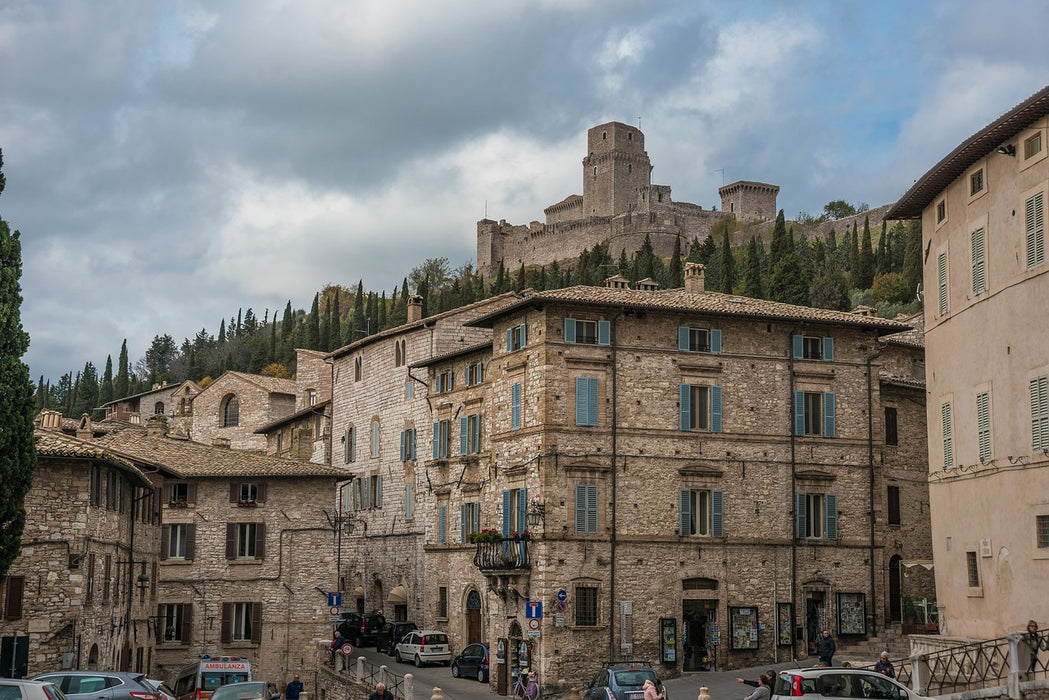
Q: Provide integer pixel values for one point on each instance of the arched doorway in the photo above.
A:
(895, 589)
(92, 658)
(473, 617)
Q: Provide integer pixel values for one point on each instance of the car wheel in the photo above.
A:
(397, 655)
(481, 676)
(455, 670)
(418, 662)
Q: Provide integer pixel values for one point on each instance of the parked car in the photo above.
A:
(822, 683)
(621, 680)
(391, 633)
(361, 629)
(165, 692)
(424, 647)
(472, 662)
(101, 685)
(22, 689)
(249, 690)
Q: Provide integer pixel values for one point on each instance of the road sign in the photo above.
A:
(559, 620)
(534, 610)
(535, 634)
(346, 649)
(334, 610)
(559, 606)
(562, 595)
(334, 600)
(534, 624)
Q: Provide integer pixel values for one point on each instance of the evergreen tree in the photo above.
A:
(105, 389)
(17, 444)
(324, 328)
(222, 331)
(355, 329)
(87, 392)
(40, 398)
(676, 271)
(381, 325)
(854, 258)
(122, 384)
(519, 281)
(313, 324)
(273, 343)
(912, 257)
(864, 276)
(881, 255)
(752, 286)
(727, 276)
(780, 247)
(828, 288)
(371, 313)
(787, 282)
(500, 285)
(335, 321)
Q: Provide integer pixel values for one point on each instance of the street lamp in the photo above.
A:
(536, 514)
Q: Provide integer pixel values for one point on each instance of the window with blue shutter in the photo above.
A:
(807, 347)
(701, 512)
(586, 509)
(831, 502)
(699, 339)
(516, 337)
(586, 401)
(515, 406)
(588, 332)
(440, 439)
(828, 414)
(699, 407)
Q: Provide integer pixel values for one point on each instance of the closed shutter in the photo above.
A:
(436, 440)
(378, 490)
(715, 341)
(346, 446)
(404, 445)
(592, 401)
(476, 433)
(799, 412)
(983, 425)
(442, 524)
(941, 281)
(832, 516)
(515, 407)
(353, 444)
(509, 339)
(523, 329)
(234, 492)
(683, 337)
(582, 395)
(464, 435)
(604, 332)
(684, 499)
(715, 409)
(462, 523)
(191, 493)
(522, 510)
(191, 541)
(14, 591)
(260, 540)
(979, 262)
(1034, 220)
(717, 513)
(800, 515)
(948, 436)
(260, 492)
(829, 414)
(569, 330)
(506, 513)
(1039, 389)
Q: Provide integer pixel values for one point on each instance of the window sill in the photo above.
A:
(975, 592)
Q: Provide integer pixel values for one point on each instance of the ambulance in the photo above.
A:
(199, 681)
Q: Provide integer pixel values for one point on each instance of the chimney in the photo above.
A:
(84, 430)
(695, 278)
(648, 285)
(415, 308)
(221, 443)
(617, 282)
(157, 425)
(50, 419)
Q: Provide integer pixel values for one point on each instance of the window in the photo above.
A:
(440, 439)
(375, 439)
(586, 509)
(1039, 389)
(409, 501)
(349, 445)
(814, 413)
(175, 618)
(179, 494)
(442, 602)
(230, 412)
(515, 406)
(367, 492)
(241, 622)
(245, 540)
(1042, 526)
(177, 540)
(398, 353)
(947, 433)
(972, 568)
(813, 348)
(515, 511)
(1034, 224)
(983, 426)
(585, 605)
(516, 337)
(941, 210)
(407, 444)
(14, 589)
(158, 408)
(891, 429)
(701, 512)
(311, 397)
(586, 401)
(409, 389)
(979, 262)
(247, 493)
(442, 524)
(699, 339)
(475, 374)
(588, 332)
(893, 504)
(816, 516)
(470, 434)
(1033, 145)
(358, 369)
(469, 519)
(976, 182)
(699, 407)
(941, 281)
(444, 382)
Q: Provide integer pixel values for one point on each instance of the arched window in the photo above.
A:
(230, 411)
(375, 438)
(158, 409)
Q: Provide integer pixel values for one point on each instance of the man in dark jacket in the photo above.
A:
(381, 693)
(826, 648)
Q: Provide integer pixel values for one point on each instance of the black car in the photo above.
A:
(361, 629)
(472, 662)
(391, 633)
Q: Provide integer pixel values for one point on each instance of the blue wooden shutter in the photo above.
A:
(592, 402)
(828, 414)
(717, 513)
(715, 409)
(522, 510)
(462, 523)
(524, 334)
(506, 513)
(404, 445)
(436, 439)
(683, 335)
(582, 395)
(378, 490)
(799, 515)
(476, 434)
(442, 524)
(515, 406)
(798, 345)
(464, 435)
(580, 508)
(684, 499)
(799, 412)
(569, 330)
(715, 340)
(832, 516)
(509, 339)
(353, 444)
(411, 444)
(591, 507)
(828, 348)
(604, 332)
(346, 446)
(685, 410)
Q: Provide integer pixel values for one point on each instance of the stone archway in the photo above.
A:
(92, 658)
(474, 632)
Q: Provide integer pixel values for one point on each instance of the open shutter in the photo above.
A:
(260, 492)
(592, 400)
(717, 513)
(353, 444)
(509, 339)
(464, 435)
(715, 409)
(231, 540)
(828, 414)
(476, 433)
(581, 396)
(569, 330)
(684, 421)
(515, 407)
(234, 492)
(442, 524)
(522, 510)
(411, 443)
(684, 500)
(256, 623)
(800, 520)
(580, 508)
(166, 493)
(346, 446)
(832, 516)
(436, 439)
(462, 523)
(799, 412)
(506, 513)
(191, 493)
(715, 341)
(165, 541)
(523, 328)
(260, 540)
(378, 490)
(404, 445)
(604, 332)
(591, 509)
(798, 346)
(191, 541)
(226, 625)
(828, 348)
(683, 333)
(187, 623)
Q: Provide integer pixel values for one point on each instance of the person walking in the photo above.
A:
(1034, 642)
(885, 666)
(293, 689)
(762, 692)
(381, 693)
(826, 648)
(650, 690)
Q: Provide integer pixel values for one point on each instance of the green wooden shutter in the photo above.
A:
(506, 513)
(509, 339)
(442, 524)
(715, 409)
(715, 341)
(800, 516)
(828, 414)
(524, 334)
(828, 349)
(515, 406)
(592, 405)
(462, 523)
(580, 508)
(604, 333)
(799, 412)
(436, 439)
(685, 407)
(798, 346)
(569, 330)
(683, 338)
(684, 499)
(1039, 388)
(522, 510)
(831, 529)
(717, 513)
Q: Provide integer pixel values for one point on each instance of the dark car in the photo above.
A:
(391, 633)
(101, 685)
(361, 629)
(622, 680)
(472, 662)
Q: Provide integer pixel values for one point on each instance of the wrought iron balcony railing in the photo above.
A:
(502, 555)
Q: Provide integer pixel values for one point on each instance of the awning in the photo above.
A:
(358, 592)
(398, 596)
(926, 563)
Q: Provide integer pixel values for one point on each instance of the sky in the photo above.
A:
(169, 163)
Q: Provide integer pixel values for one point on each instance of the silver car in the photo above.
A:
(423, 647)
(21, 689)
(101, 685)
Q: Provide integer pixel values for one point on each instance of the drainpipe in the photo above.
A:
(870, 475)
(615, 500)
(793, 490)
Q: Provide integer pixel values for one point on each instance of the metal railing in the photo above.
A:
(503, 554)
(369, 675)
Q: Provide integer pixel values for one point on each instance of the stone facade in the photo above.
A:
(173, 400)
(260, 401)
(306, 433)
(577, 417)
(620, 206)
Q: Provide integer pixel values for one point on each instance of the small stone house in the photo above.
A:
(229, 411)
(306, 433)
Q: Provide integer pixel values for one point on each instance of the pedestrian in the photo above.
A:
(1034, 642)
(770, 675)
(762, 692)
(336, 646)
(885, 666)
(650, 690)
(292, 690)
(381, 693)
(826, 648)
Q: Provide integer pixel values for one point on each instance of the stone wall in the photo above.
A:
(257, 408)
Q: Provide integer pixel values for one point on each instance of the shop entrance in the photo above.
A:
(699, 634)
(815, 618)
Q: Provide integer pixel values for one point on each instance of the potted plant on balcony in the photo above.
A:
(246, 503)
(178, 503)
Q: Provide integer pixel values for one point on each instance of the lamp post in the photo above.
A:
(536, 514)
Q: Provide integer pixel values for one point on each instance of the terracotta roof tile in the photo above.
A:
(274, 385)
(55, 444)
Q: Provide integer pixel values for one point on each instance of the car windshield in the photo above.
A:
(634, 676)
(241, 691)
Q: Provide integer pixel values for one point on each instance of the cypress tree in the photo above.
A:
(676, 272)
(881, 256)
(854, 257)
(779, 248)
(122, 385)
(752, 286)
(519, 281)
(17, 445)
(727, 265)
(335, 322)
(912, 256)
(222, 331)
(324, 327)
(313, 324)
(381, 324)
(356, 327)
(105, 389)
(865, 259)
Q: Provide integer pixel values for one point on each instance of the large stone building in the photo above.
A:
(693, 478)
(231, 409)
(982, 210)
(619, 206)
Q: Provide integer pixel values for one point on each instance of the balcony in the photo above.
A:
(502, 555)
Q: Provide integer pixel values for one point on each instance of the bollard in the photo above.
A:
(437, 695)
(704, 693)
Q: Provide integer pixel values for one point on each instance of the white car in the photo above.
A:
(424, 647)
(851, 683)
(19, 689)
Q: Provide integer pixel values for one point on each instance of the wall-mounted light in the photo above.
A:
(1007, 150)
(536, 514)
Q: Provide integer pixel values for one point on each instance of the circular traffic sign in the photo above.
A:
(347, 649)
(333, 610)
(533, 624)
(562, 594)
(560, 606)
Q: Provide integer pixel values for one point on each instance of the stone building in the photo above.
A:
(81, 593)
(173, 400)
(982, 211)
(619, 206)
(675, 475)
(230, 410)
(306, 433)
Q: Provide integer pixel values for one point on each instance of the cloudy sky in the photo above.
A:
(170, 162)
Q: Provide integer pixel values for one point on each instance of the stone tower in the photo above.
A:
(749, 201)
(616, 170)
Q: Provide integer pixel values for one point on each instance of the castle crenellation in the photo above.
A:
(619, 206)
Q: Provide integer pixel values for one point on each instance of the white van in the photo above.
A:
(199, 681)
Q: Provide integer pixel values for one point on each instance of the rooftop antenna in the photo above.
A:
(486, 208)
(639, 122)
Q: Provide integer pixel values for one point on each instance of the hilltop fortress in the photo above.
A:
(620, 206)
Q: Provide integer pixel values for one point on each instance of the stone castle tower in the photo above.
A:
(619, 206)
